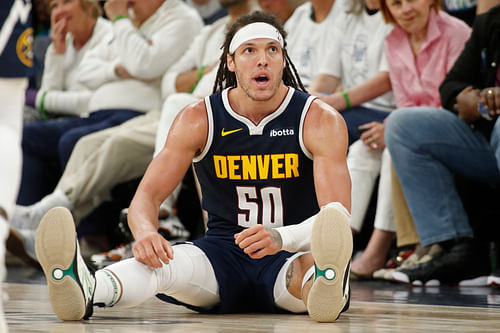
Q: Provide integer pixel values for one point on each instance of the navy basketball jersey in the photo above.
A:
(256, 174)
(16, 38)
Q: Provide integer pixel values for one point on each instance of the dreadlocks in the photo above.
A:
(225, 78)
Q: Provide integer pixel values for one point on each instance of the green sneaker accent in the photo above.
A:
(328, 273)
(58, 273)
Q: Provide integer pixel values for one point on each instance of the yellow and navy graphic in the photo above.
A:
(256, 179)
(252, 167)
(24, 47)
(224, 133)
(16, 38)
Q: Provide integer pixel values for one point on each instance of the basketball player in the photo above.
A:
(267, 156)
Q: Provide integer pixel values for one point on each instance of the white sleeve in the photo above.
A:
(53, 70)
(331, 63)
(297, 237)
(384, 66)
(98, 66)
(65, 102)
(187, 62)
(165, 47)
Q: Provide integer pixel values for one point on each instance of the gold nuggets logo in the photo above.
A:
(252, 167)
(24, 47)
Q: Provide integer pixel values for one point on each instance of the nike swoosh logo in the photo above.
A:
(224, 133)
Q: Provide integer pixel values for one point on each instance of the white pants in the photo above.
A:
(364, 167)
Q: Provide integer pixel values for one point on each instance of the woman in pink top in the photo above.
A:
(422, 47)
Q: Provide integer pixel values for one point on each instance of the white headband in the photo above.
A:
(254, 31)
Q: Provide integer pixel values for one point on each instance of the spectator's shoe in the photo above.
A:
(463, 263)
(71, 285)
(28, 217)
(172, 228)
(392, 264)
(494, 278)
(331, 247)
(119, 253)
(419, 256)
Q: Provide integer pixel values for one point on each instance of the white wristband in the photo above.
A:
(297, 237)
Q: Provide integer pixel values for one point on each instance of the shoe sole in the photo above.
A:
(331, 247)
(55, 247)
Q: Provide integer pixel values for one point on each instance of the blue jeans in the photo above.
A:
(359, 115)
(428, 146)
(47, 146)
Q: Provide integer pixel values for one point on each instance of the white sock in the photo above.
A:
(108, 288)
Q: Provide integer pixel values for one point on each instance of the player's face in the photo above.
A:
(258, 65)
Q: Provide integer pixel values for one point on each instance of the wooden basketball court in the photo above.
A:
(375, 307)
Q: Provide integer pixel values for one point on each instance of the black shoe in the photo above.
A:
(463, 263)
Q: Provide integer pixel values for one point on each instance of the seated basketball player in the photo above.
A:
(267, 156)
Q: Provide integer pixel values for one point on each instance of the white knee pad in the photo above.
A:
(189, 278)
(282, 296)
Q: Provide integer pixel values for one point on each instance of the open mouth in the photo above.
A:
(261, 79)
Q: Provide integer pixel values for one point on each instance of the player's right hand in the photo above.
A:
(152, 249)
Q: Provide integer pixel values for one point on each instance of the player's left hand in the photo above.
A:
(259, 241)
(153, 250)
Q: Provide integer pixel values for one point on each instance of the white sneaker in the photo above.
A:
(28, 217)
(71, 284)
(331, 247)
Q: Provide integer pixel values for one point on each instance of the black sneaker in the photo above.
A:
(70, 282)
(463, 263)
(331, 247)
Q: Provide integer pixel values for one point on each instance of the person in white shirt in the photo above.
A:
(77, 27)
(357, 61)
(308, 35)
